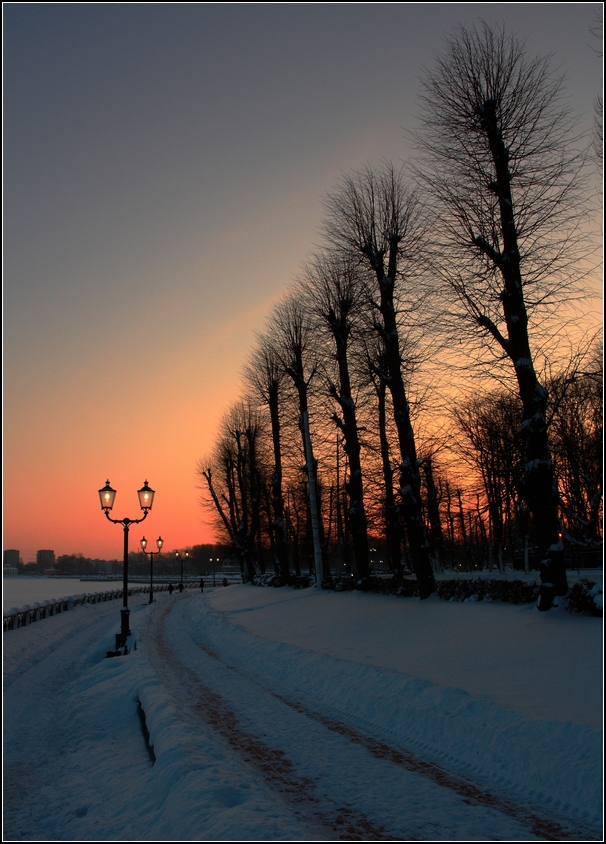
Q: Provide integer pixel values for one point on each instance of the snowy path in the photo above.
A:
(356, 785)
(256, 739)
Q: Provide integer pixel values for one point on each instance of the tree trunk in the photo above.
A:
(539, 487)
(410, 476)
(356, 514)
(313, 500)
(393, 528)
(276, 487)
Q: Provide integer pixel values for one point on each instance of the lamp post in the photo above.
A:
(159, 543)
(107, 496)
(212, 560)
(181, 557)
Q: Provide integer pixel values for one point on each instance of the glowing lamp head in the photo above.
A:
(143, 543)
(146, 497)
(107, 496)
(159, 543)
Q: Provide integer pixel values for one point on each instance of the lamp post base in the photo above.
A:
(124, 625)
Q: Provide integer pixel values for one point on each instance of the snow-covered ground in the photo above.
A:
(281, 714)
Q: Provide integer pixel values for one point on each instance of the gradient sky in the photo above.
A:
(164, 166)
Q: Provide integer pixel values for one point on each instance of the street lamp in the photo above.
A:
(159, 543)
(181, 557)
(107, 496)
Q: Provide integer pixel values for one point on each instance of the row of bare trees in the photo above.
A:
(488, 443)
(485, 234)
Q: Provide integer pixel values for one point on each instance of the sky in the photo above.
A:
(275, 714)
(164, 168)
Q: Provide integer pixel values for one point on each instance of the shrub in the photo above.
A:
(302, 582)
(509, 591)
(585, 597)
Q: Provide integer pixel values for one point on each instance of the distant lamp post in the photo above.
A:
(107, 496)
(212, 560)
(181, 557)
(159, 543)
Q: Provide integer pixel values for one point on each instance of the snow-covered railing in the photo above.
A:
(14, 618)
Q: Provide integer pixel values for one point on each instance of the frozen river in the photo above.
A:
(17, 591)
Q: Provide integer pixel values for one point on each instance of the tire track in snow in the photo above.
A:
(472, 793)
(343, 822)
(542, 827)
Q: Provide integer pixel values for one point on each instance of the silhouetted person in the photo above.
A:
(181, 587)
(224, 581)
(201, 584)
(171, 589)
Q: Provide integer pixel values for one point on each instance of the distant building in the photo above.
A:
(11, 558)
(77, 565)
(45, 560)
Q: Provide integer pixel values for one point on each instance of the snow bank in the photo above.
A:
(332, 639)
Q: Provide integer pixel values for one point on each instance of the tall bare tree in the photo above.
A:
(336, 295)
(265, 374)
(374, 217)
(292, 332)
(499, 158)
(377, 370)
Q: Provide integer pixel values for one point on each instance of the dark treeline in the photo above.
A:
(320, 466)
(196, 559)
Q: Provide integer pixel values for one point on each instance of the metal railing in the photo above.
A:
(15, 618)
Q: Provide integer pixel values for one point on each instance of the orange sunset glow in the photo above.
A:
(164, 169)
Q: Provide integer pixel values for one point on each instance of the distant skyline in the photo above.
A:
(164, 166)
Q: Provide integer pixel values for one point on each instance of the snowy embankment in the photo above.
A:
(402, 719)
(503, 692)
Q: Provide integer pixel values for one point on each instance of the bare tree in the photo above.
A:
(490, 447)
(265, 374)
(499, 161)
(377, 369)
(576, 433)
(292, 332)
(233, 480)
(374, 217)
(432, 499)
(336, 295)
(223, 508)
